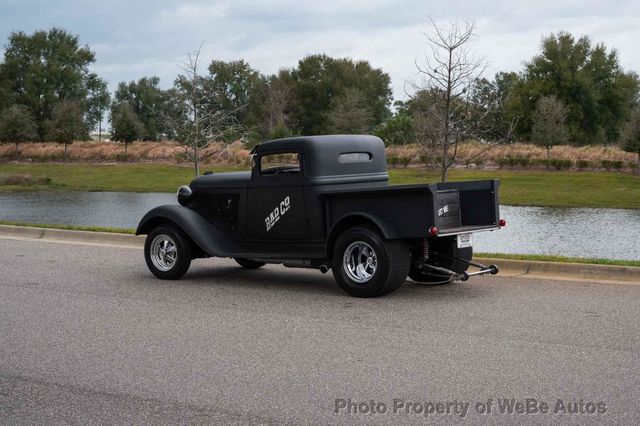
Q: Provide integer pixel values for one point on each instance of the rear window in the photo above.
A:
(285, 162)
(354, 157)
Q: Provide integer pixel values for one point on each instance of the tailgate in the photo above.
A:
(462, 207)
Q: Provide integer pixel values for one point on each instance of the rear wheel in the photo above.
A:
(365, 265)
(167, 251)
(248, 263)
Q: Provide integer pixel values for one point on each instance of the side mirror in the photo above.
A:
(253, 161)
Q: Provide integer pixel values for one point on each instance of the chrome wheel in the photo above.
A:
(360, 262)
(163, 252)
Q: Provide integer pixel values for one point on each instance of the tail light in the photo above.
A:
(433, 231)
(502, 223)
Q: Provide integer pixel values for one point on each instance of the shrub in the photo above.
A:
(424, 159)
(181, 157)
(561, 164)
(503, 162)
(612, 164)
(404, 161)
(555, 163)
(393, 161)
(514, 162)
(583, 164)
(478, 161)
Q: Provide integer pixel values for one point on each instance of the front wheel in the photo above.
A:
(365, 265)
(167, 251)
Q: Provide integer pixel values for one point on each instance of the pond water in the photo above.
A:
(578, 232)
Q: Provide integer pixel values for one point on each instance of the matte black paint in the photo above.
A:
(227, 215)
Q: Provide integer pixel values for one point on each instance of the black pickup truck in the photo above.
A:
(325, 202)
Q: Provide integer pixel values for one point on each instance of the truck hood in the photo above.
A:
(221, 180)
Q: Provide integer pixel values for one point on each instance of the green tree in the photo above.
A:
(66, 124)
(631, 137)
(97, 103)
(488, 108)
(148, 101)
(549, 123)
(17, 125)
(237, 89)
(397, 129)
(319, 79)
(125, 125)
(6, 94)
(349, 113)
(588, 79)
(44, 68)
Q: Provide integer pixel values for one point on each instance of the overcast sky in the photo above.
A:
(136, 38)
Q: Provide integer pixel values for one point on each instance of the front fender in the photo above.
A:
(211, 239)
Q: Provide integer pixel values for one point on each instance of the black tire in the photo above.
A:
(248, 263)
(392, 259)
(183, 251)
(447, 249)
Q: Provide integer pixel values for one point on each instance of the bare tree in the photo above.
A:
(447, 113)
(549, 123)
(193, 121)
(278, 97)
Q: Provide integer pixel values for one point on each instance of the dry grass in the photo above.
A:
(235, 154)
(474, 153)
(22, 179)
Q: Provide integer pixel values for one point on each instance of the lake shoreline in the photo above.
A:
(518, 187)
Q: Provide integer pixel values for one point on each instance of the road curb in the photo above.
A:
(584, 271)
(91, 237)
(581, 271)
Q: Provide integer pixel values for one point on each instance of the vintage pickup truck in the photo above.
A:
(325, 202)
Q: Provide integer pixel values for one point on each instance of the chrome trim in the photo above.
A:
(360, 262)
(163, 253)
(470, 231)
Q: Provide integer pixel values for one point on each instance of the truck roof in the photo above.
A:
(333, 155)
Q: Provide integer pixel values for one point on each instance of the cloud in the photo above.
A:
(133, 39)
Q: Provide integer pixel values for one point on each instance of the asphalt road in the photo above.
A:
(88, 336)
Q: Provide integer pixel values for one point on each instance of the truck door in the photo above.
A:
(275, 198)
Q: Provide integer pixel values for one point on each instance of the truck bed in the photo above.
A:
(409, 211)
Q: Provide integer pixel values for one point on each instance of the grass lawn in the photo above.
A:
(546, 188)
(519, 188)
(561, 259)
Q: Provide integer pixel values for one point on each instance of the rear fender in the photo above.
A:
(211, 239)
(386, 230)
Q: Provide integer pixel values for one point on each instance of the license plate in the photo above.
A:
(464, 241)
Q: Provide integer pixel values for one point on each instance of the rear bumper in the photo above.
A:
(466, 230)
